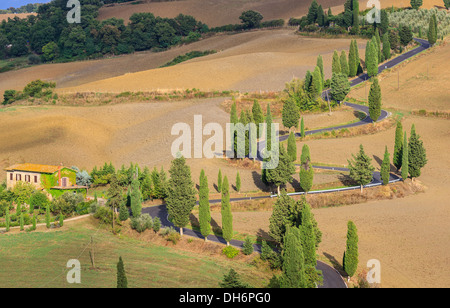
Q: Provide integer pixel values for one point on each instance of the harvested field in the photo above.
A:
(22, 15)
(284, 54)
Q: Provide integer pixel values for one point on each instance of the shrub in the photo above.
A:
(34, 59)
(156, 224)
(9, 97)
(141, 223)
(173, 237)
(230, 252)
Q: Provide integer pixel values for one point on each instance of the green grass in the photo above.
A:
(39, 259)
(188, 56)
(14, 63)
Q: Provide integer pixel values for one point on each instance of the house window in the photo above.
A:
(27, 178)
(18, 177)
(64, 182)
(11, 176)
(35, 178)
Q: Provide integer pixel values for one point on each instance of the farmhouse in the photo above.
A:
(53, 179)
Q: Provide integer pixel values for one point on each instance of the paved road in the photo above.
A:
(331, 278)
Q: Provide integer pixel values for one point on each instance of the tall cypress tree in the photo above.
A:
(290, 114)
(398, 147)
(371, 58)
(136, 198)
(122, 282)
(233, 120)
(227, 217)
(269, 122)
(378, 41)
(385, 168)
(258, 116)
(309, 246)
(352, 59)
(319, 64)
(417, 157)
(336, 63)
(238, 182)
(219, 181)
(344, 63)
(375, 100)
(293, 267)
(311, 17)
(350, 260)
(405, 160)
(355, 21)
(306, 170)
(386, 46)
(316, 86)
(204, 214)
(282, 174)
(181, 193)
(361, 169)
(302, 128)
(292, 147)
(432, 30)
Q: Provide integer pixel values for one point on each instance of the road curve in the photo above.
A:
(331, 278)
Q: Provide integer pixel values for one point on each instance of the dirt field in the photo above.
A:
(284, 54)
(6, 16)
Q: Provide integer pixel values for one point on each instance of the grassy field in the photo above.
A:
(39, 259)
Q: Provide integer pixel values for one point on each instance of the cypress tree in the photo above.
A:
(336, 63)
(316, 86)
(181, 193)
(355, 22)
(344, 64)
(269, 122)
(309, 246)
(292, 147)
(371, 59)
(306, 170)
(258, 116)
(238, 182)
(290, 114)
(352, 59)
(219, 181)
(247, 247)
(432, 30)
(416, 4)
(61, 220)
(385, 168)
(319, 64)
(122, 282)
(417, 157)
(302, 128)
(405, 160)
(136, 198)
(293, 267)
(361, 169)
(34, 222)
(375, 100)
(47, 216)
(378, 41)
(21, 222)
(350, 260)
(204, 214)
(282, 174)
(227, 217)
(340, 87)
(7, 220)
(232, 281)
(311, 17)
(233, 120)
(398, 147)
(308, 81)
(386, 46)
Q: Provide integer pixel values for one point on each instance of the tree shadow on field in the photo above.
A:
(257, 180)
(194, 221)
(392, 168)
(296, 184)
(263, 235)
(216, 188)
(216, 229)
(346, 180)
(336, 265)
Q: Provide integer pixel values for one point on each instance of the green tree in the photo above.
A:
(21, 222)
(47, 216)
(319, 64)
(350, 260)
(447, 4)
(280, 218)
(61, 220)
(123, 212)
(232, 280)
(290, 114)
(398, 147)
(386, 46)
(417, 157)
(361, 169)
(122, 282)
(238, 182)
(7, 220)
(416, 4)
(405, 35)
(181, 195)
(251, 19)
(50, 51)
(204, 214)
(227, 217)
(136, 198)
(302, 128)
(352, 59)
(258, 116)
(247, 247)
(311, 17)
(355, 13)
(282, 174)
(385, 167)
(375, 100)
(371, 58)
(344, 64)
(219, 181)
(292, 147)
(377, 39)
(115, 197)
(432, 30)
(269, 129)
(405, 160)
(306, 170)
(336, 63)
(340, 87)
(293, 275)
(316, 85)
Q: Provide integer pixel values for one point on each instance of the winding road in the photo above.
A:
(331, 278)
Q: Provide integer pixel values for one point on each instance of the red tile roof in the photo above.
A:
(34, 168)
